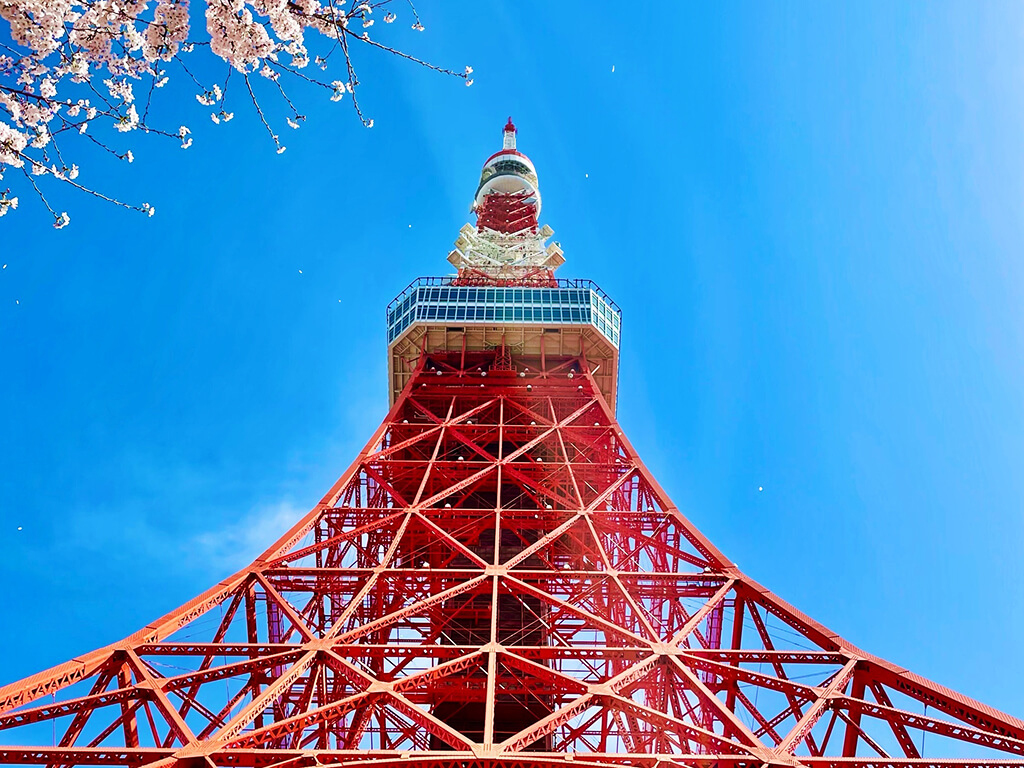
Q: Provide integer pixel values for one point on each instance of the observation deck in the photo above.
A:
(566, 318)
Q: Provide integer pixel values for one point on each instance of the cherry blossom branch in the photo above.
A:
(60, 51)
(402, 55)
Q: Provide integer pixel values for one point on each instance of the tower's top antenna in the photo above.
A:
(510, 134)
(508, 181)
(507, 245)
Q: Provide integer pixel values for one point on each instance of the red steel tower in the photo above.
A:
(496, 582)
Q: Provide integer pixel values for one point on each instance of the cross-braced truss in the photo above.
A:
(496, 581)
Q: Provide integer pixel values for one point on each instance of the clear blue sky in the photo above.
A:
(812, 217)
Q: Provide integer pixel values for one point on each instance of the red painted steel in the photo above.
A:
(497, 580)
(534, 277)
(509, 213)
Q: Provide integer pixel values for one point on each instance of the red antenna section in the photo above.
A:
(508, 200)
(507, 212)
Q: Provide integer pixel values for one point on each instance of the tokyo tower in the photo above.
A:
(497, 581)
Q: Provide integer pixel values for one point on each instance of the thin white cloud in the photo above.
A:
(234, 546)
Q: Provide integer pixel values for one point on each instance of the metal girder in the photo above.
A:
(496, 582)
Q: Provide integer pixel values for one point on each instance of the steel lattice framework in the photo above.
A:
(497, 580)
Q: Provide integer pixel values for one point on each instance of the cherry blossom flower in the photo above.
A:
(72, 68)
(7, 204)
